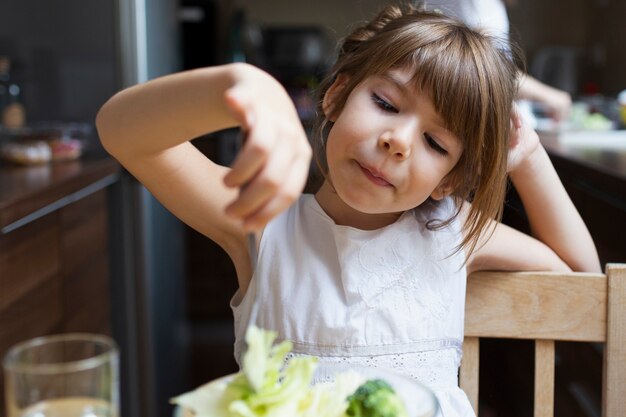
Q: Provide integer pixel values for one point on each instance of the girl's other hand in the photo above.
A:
(558, 103)
(523, 141)
(273, 164)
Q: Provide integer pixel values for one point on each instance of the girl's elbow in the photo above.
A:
(106, 128)
(588, 265)
(592, 266)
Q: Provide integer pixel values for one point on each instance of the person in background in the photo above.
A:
(415, 139)
(491, 15)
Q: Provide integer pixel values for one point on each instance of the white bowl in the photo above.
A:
(418, 399)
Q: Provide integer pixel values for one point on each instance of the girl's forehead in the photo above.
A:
(406, 80)
(402, 78)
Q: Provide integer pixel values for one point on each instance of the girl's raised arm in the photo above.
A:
(552, 216)
(148, 127)
(560, 239)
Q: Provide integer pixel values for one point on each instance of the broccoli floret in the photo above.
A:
(375, 398)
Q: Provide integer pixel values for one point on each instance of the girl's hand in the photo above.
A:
(558, 104)
(272, 166)
(523, 141)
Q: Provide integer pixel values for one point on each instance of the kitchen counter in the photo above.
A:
(592, 166)
(603, 153)
(30, 192)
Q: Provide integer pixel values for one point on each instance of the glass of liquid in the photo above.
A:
(67, 375)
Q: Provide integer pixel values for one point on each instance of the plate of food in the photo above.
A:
(268, 386)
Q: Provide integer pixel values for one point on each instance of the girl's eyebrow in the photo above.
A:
(393, 79)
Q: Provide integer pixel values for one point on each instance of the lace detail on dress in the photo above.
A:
(437, 369)
(407, 277)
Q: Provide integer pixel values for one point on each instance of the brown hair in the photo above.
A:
(471, 79)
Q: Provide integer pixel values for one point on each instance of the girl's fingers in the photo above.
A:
(249, 162)
(292, 188)
(259, 143)
(272, 166)
(251, 156)
(267, 183)
(267, 212)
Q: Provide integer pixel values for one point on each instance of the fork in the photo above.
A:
(253, 251)
(252, 246)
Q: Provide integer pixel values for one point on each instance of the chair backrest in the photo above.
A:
(549, 307)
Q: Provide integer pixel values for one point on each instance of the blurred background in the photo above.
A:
(168, 287)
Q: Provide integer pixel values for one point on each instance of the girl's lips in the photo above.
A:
(375, 176)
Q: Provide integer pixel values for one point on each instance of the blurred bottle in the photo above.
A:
(12, 112)
(236, 47)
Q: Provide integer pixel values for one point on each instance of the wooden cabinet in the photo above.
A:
(30, 280)
(84, 271)
(54, 271)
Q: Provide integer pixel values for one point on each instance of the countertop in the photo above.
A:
(602, 152)
(29, 192)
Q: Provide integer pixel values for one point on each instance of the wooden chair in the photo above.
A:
(549, 307)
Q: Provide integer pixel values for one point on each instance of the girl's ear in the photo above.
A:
(332, 94)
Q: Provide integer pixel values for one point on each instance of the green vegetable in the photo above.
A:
(375, 398)
(267, 388)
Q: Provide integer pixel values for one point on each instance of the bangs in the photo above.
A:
(447, 72)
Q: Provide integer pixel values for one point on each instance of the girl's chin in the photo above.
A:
(374, 205)
(364, 204)
(354, 198)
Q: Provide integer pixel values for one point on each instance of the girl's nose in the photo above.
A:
(396, 143)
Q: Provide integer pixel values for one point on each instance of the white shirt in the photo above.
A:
(392, 298)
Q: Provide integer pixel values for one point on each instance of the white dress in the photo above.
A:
(392, 298)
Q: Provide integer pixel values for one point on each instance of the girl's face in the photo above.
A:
(389, 150)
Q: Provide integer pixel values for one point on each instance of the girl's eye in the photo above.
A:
(383, 104)
(434, 145)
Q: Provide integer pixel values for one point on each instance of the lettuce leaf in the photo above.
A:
(330, 400)
(265, 387)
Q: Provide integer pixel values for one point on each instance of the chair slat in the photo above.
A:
(614, 389)
(544, 378)
(537, 305)
(549, 307)
(468, 378)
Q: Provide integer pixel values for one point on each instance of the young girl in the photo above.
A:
(415, 137)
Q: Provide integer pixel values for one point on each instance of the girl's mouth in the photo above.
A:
(374, 176)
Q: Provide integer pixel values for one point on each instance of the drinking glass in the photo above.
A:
(67, 375)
